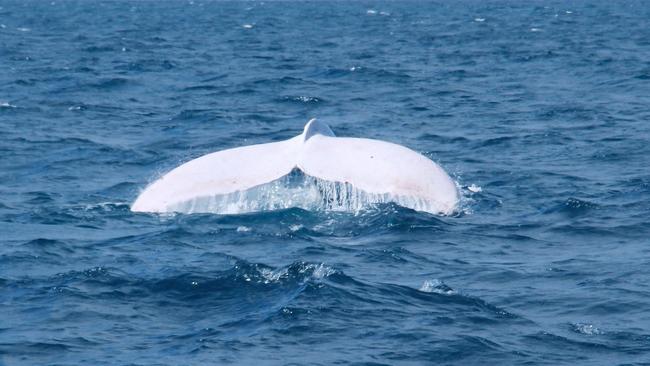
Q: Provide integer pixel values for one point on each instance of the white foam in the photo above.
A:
(437, 287)
(479, 19)
(371, 12)
(107, 206)
(273, 276)
(247, 26)
(474, 188)
(306, 99)
(295, 227)
(321, 271)
(7, 105)
(318, 272)
(585, 328)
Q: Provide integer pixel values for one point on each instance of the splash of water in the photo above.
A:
(302, 191)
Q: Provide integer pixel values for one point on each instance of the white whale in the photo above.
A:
(385, 171)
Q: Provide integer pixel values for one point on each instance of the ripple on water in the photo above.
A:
(539, 111)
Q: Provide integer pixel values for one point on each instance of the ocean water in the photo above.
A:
(539, 110)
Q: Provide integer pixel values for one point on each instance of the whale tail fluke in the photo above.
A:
(376, 167)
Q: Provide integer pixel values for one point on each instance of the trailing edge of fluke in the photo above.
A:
(372, 166)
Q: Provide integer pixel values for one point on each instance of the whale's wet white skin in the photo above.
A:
(341, 172)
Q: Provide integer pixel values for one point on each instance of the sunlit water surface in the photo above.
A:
(539, 110)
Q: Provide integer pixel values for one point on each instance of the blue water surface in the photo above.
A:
(539, 110)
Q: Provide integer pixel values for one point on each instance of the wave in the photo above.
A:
(574, 207)
(307, 285)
